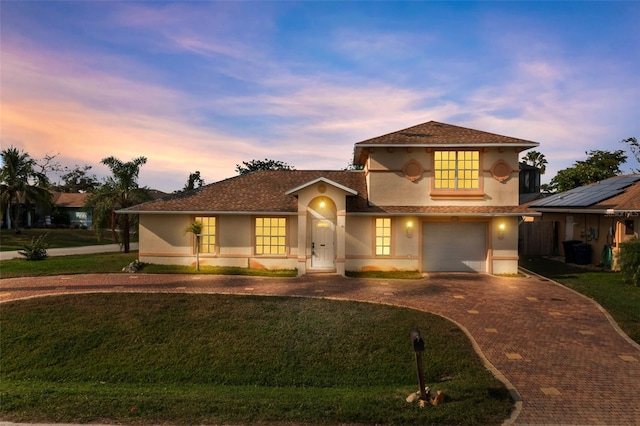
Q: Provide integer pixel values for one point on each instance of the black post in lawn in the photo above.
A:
(418, 347)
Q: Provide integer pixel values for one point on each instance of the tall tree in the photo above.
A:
(598, 166)
(120, 190)
(194, 178)
(21, 183)
(536, 159)
(78, 179)
(634, 147)
(257, 165)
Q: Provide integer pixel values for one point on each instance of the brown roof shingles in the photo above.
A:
(629, 200)
(435, 133)
(69, 199)
(265, 191)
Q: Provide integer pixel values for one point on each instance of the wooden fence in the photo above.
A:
(538, 239)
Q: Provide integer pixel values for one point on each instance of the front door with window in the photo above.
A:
(322, 244)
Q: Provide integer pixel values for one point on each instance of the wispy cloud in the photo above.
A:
(49, 106)
(204, 86)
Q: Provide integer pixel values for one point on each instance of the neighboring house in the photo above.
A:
(433, 197)
(600, 216)
(72, 204)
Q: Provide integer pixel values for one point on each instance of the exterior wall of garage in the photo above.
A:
(503, 248)
(361, 248)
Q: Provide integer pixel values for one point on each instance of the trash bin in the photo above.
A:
(582, 253)
(569, 250)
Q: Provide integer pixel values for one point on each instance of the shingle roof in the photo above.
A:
(68, 199)
(435, 134)
(629, 200)
(265, 191)
(262, 191)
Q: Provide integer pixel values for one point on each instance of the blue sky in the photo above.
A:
(207, 85)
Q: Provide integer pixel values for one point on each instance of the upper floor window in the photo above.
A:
(383, 236)
(207, 234)
(271, 233)
(456, 169)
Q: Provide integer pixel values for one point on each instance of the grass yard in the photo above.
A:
(101, 263)
(621, 300)
(213, 359)
(69, 237)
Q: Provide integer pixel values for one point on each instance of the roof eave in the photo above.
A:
(586, 210)
(448, 145)
(510, 214)
(209, 212)
(358, 152)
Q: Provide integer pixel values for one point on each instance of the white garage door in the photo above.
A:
(454, 247)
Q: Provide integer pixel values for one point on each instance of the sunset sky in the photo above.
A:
(206, 85)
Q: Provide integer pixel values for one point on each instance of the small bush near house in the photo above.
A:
(629, 261)
(60, 218)
(37, 249)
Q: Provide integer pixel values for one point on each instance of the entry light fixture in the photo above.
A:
(409, 229)
(501, 228)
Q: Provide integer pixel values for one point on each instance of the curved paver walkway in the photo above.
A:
(568, 363)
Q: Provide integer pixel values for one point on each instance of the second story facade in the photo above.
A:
(437, 164)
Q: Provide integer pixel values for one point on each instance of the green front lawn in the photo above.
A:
(100, 263)
(213, 359)
(57, 238)
(621, 300)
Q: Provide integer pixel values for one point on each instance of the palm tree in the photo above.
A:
(195, 228)
(19, 182)
(118, 192)
(536, 159)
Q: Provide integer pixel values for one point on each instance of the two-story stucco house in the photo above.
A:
(433, 197)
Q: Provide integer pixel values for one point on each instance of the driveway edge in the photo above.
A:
(606, 314)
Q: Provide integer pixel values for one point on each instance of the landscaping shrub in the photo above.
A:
(37, 249)
(60, 218)
(629, 261)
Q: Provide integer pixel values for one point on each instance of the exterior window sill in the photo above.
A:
(457, 195)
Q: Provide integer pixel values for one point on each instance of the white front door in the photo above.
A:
(322, 247)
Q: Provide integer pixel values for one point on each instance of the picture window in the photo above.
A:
(456, 169)
(271, 233)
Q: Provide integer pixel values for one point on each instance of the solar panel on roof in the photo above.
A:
(585, 196)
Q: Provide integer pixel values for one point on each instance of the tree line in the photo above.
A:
(25, 182)
(599, 165)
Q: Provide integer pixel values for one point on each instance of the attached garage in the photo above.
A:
(454, 247)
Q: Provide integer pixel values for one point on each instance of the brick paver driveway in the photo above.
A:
(558, 351)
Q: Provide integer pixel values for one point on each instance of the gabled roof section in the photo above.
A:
(618, 193)
(435, 134)
(263, 191)
(324, 180)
